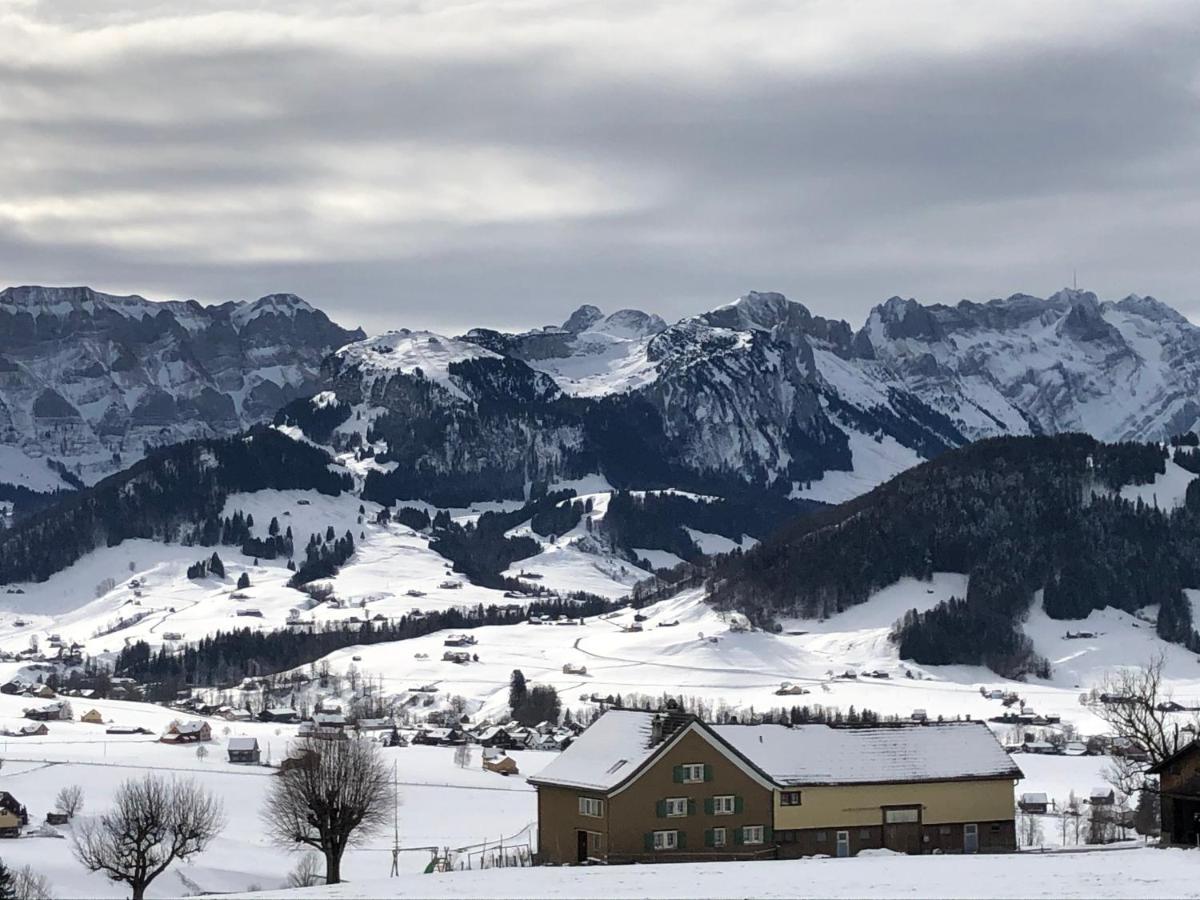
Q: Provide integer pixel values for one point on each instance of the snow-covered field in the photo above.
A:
(1136, 873)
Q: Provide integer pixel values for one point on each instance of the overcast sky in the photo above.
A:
(443, 164)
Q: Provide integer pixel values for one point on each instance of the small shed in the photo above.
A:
(244, 750)
(33, 729)
(499, 762)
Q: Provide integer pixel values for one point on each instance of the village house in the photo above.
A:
(647, 787)
(53, 712)
(1037, 804)
(243, 750)
(499, 762)
(92, 717)
(33, 729)
(1102, 796)
(1179, 791)
(284, 715)
(194, 731)
(12, 806)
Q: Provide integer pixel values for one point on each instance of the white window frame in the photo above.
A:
(720, 837)
(689, 773)
(676, 807)
(592, 807)
(783, 795)
(666, 840)
(907, 816)
(753, 834)
(724, 804)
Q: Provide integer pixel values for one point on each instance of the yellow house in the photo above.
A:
(913, 788)
(93, 716)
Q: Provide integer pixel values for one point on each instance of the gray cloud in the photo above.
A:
(452, 164)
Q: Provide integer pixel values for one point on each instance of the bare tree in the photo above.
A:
(153, 822)
(307, 872)
(1133, 702)
(29, 885)
(462, 756)
(1029, 829)
(339, 794)
(69, 800)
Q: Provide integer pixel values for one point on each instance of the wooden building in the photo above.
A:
(1179, 795)
(244, 750)
(643, 787)
(191, 732)
(93, 717)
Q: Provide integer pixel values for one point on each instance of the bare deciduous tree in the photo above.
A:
(337, 795)
(29, 885)
(462, 756)
(1133, 702)
(153, 822)
(69, 800)
(307, 872)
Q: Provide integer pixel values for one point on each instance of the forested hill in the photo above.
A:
(1018, 515)
(169, 495)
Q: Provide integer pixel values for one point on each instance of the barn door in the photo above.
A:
(971, 838)
(902, 829)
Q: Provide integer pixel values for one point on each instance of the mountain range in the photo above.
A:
(757, 395)
(89, 380)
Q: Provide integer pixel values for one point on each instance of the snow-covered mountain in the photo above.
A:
(756, 395)
(90, 379)
(1128, 370)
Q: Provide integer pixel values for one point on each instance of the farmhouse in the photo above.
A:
(191, 732)
(499, 762)
(646, 787)
(1179, 785)
(33, 730)
(93, 717)
(243, 750)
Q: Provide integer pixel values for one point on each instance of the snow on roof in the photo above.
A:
(818, 754)
(1102, 792)
(1034, 798)
(243, 743)
(610, 750)
(192, 726)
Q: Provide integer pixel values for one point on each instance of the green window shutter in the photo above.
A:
(738, 804)
(737, 836)
(709, 806)
(649, 840)
(708, 838)
(660, 809)
(691, 807)
(708, 776)
(681, 840)
(677, 774)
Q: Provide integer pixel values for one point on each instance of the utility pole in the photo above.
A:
(395, 825)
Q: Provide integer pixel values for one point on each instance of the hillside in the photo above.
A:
(1065, 516)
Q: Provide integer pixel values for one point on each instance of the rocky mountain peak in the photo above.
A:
(582, 319)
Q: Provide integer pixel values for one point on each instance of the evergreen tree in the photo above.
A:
(216, 567)
(517, 690)
(7, 889)
(243, 581)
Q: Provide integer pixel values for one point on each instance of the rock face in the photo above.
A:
(91, 380)
(1128, 370)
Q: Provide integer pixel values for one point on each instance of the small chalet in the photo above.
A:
(235, 714)
(284, 715)
(12, 806)
(54, 712)
(33, 729)
(1034, 803)
(92, 717)
(244, 750)
(16, 686)
(194, 731)
(1179, 790)
(499, 762)
(462, 657)
(43, 692)
(1102, 796)
(497, 737)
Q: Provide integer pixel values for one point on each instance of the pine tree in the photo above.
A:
(7, 889)
(517, 691)
(216, 567)
(243, 581)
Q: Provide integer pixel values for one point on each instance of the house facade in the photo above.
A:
(1179, 795)
(641, 787)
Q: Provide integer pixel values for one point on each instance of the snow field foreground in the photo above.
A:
(442, 805)
(1135, 873)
